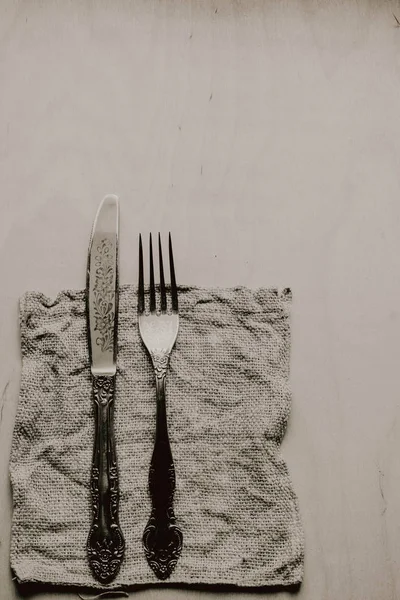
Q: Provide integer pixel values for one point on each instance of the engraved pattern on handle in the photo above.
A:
(105, 544)
(162, 538)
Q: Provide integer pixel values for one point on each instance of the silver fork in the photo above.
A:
(162, 539)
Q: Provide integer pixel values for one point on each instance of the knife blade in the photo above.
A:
(105, 543)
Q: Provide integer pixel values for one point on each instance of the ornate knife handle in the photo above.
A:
(105, 544)
(162, 539)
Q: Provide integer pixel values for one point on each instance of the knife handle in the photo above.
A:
(162, 539)
(105, 544)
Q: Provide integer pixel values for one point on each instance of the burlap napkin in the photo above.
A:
(228, 402)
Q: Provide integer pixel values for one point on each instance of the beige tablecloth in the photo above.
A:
(228, 402)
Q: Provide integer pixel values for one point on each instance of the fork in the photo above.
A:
(162, 538)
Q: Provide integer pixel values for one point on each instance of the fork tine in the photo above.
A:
(162, 281)
(174, 293)
(141, 281)
(152, 286)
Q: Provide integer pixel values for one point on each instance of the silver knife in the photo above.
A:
(105, 544)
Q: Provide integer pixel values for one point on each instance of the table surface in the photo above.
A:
(266, 136)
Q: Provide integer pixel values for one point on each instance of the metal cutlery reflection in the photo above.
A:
(105, 543)
(162, 538)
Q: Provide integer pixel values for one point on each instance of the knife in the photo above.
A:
(105, 543)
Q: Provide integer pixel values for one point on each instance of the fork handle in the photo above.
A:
(105, 543)
(162, 538)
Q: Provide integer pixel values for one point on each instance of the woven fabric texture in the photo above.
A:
(228, 402)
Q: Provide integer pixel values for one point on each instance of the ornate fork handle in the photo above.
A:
(162, 539)
(105, 544)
